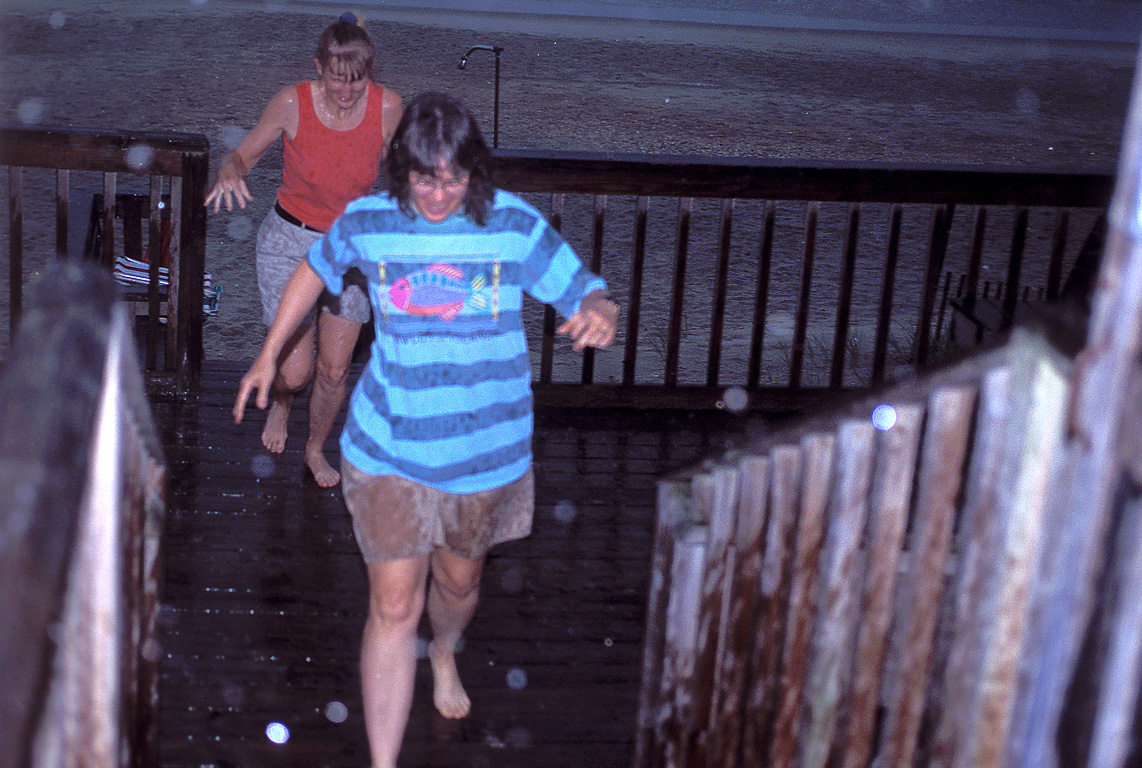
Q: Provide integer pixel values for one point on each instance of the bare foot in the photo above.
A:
(325, 475)
(277, 423)
(447, 692)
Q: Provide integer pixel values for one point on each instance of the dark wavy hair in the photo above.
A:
(345, 48)
(437, 129)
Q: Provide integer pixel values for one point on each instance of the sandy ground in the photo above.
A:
(566, 84)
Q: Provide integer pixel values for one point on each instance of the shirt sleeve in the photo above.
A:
(555, 275)
(332, 256)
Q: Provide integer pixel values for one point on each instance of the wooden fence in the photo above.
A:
(175, 168)
(758, 242)
(84, 483)
(944, 574)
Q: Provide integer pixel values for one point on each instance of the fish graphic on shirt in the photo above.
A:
(437, 291)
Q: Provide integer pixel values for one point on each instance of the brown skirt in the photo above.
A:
(394, 517)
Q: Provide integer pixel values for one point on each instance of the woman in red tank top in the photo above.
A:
(335, 132)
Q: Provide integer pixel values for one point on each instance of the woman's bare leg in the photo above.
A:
(388, 653)
(336, 338)
(453, 592)
(294, 371)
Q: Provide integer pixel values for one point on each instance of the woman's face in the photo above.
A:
(342, 90)
(438, 195)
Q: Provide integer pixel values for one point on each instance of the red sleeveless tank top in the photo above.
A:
(324, 170)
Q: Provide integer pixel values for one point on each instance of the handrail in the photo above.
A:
(84, 484)
(750, 260)
(159, 156)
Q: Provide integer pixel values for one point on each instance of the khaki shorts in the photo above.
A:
(394, 517)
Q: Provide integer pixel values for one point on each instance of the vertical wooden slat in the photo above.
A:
(934, 269)
(1015, 266)
(63, 197)
(830, 675)
(107, 256)
(15, 247)
(155, 248)
(547, 345)
(887, 293)
(774, 584)
(981, 522)
(716, 495)
(761, 296)
(718, 314)
(672, 507)
(819, 451)
(897, 452)
(677, 290)
(191, 268)
(945, 446)
(845, 298)
(630, 354)
(742, 632)
(681, 644)
(1058, 253)
(597, 226)
(797, 353)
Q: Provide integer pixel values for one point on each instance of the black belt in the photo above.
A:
(294, 220)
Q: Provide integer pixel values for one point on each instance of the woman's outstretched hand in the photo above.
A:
(229, 189)
(258, 379)
(594, 324)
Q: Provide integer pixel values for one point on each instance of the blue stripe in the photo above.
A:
(453, 375)
(482, 463)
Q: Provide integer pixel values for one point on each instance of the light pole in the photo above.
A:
(497, 50)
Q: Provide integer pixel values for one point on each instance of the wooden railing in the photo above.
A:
(946, 573)
(84, 494)
(754, 243)
(172, 169)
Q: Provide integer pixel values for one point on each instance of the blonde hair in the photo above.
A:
(345, 47)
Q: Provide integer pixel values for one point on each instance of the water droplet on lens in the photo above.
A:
(517, 679)
(139, 156)
(239, 228)
(884, 417)
(31, 111)
(336, 712)
(512, 581)
(735, 400)
(262, 465)
(277, 733)
(564, 511)
(57, 20)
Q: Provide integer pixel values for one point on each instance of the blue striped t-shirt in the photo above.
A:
(446, 397)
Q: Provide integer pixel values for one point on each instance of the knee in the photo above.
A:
(332, 373)
(457, 585)
(395, 612)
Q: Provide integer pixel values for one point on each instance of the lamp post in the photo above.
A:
(497, 50)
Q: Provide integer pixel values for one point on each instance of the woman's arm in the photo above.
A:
(301, 293)
(279, 117)
(595, 323)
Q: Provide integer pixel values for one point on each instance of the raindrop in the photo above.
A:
(336, 712)
(239, 228)
(512, 581)
(57, 20)
(421, 648)
(151, 650)
(518, 737)
(564, 511)
(31, 110)
(608, 642)
(884, 417)
(139, 156)
(667, 99)
(1027, 102)
(493, 741)
(262, 465)
(517, 679)
(231, 136)
(734, 400)
(277, 733)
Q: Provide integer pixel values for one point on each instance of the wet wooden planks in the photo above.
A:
(264, 598)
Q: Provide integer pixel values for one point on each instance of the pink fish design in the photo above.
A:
(436, 291)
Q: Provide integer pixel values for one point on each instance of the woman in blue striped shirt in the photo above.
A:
(436, 450)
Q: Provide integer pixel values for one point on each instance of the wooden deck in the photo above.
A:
(264, 598)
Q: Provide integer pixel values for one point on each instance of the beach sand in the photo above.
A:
(566, 84)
